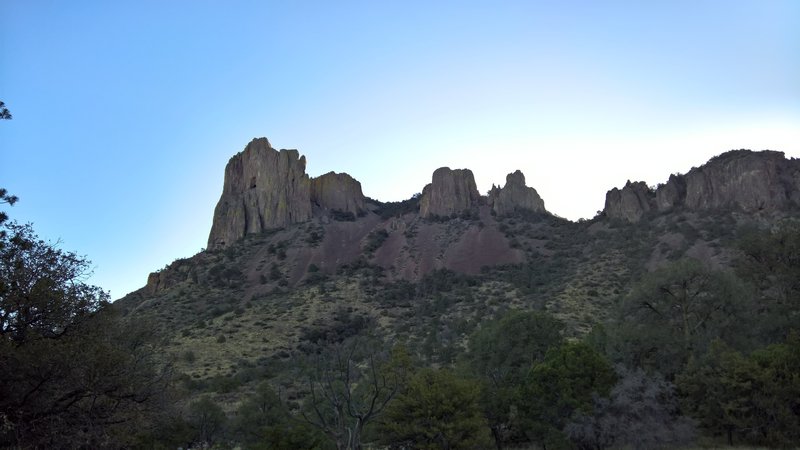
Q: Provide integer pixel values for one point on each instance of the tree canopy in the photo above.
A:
(675, 312)
(71, 373)
(436, 411)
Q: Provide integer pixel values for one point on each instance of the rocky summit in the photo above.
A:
(450, 192)
(339, 192)
(266, 189)
(629, 203)
(515, 196)
(740, 180)
(263, 189)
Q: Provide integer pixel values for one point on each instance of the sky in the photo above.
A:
(126, 112)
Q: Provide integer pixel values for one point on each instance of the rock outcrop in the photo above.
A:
(629, 203)
(515, 196)
(338, 191)
(741, 179)
(736, 180)
(264, 188)
(671, 194)
(450, 192)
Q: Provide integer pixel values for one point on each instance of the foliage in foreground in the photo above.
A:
(436, 410)
(71, 374)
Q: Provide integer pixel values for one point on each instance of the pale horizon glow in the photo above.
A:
(125, 113)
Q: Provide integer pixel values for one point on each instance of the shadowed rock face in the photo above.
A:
(671, 194)
(264, 188)
(515, 195)
(450, 192)
(740, 179)
(629, 203)
(743, 180)
(337, 191)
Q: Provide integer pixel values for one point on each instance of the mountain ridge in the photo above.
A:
(450, 225)
(269, 296)
(266, 188)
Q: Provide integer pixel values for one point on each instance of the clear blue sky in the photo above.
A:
(125, 112)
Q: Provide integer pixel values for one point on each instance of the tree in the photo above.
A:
(348, 387)
(262, 421)
(753, 398)
(7, 199)
(566, 382)
(674, 313)
(42, 295)
(641, 412)
(770, 259)
(501, 354)
(5, 114)
(207, 420)
(436, 411)
(72, 374)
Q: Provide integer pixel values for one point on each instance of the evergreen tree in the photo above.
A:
(436, 411)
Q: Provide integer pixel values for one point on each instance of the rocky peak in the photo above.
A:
(515, 195)
(264, 188)
(450, 192)
(338, 191)
(739, 179)
(672, 193)
(629, 203)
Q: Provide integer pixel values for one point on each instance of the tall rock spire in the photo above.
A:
(264, 188)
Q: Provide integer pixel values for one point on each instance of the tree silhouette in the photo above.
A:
(4, 112)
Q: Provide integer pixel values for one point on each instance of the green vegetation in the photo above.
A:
(500, 355)
(388, 210)
(375, 240)
(342, 216)
(674, 313)
(565, 383)
(436, 410)
(72, 374)
(753, 398)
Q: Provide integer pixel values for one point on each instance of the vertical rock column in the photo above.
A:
(450, 192)
(264, 188)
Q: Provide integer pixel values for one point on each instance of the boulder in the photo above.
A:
(514, 196)
(450, 192)
(338, 191)
(263, 189)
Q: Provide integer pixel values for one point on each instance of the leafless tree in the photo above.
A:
(348, 387)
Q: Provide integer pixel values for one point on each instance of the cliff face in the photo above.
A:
(450, 192)
(264, 188)
(740, 179)
(338, 191)
(744, 180)
(514, 196)
(671, 194)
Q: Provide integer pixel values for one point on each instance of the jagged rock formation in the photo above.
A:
(338, 191)
(629, 203)
(671, 194)
(264, 188)
(740, 179)
(514, 196)
(450, 192)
